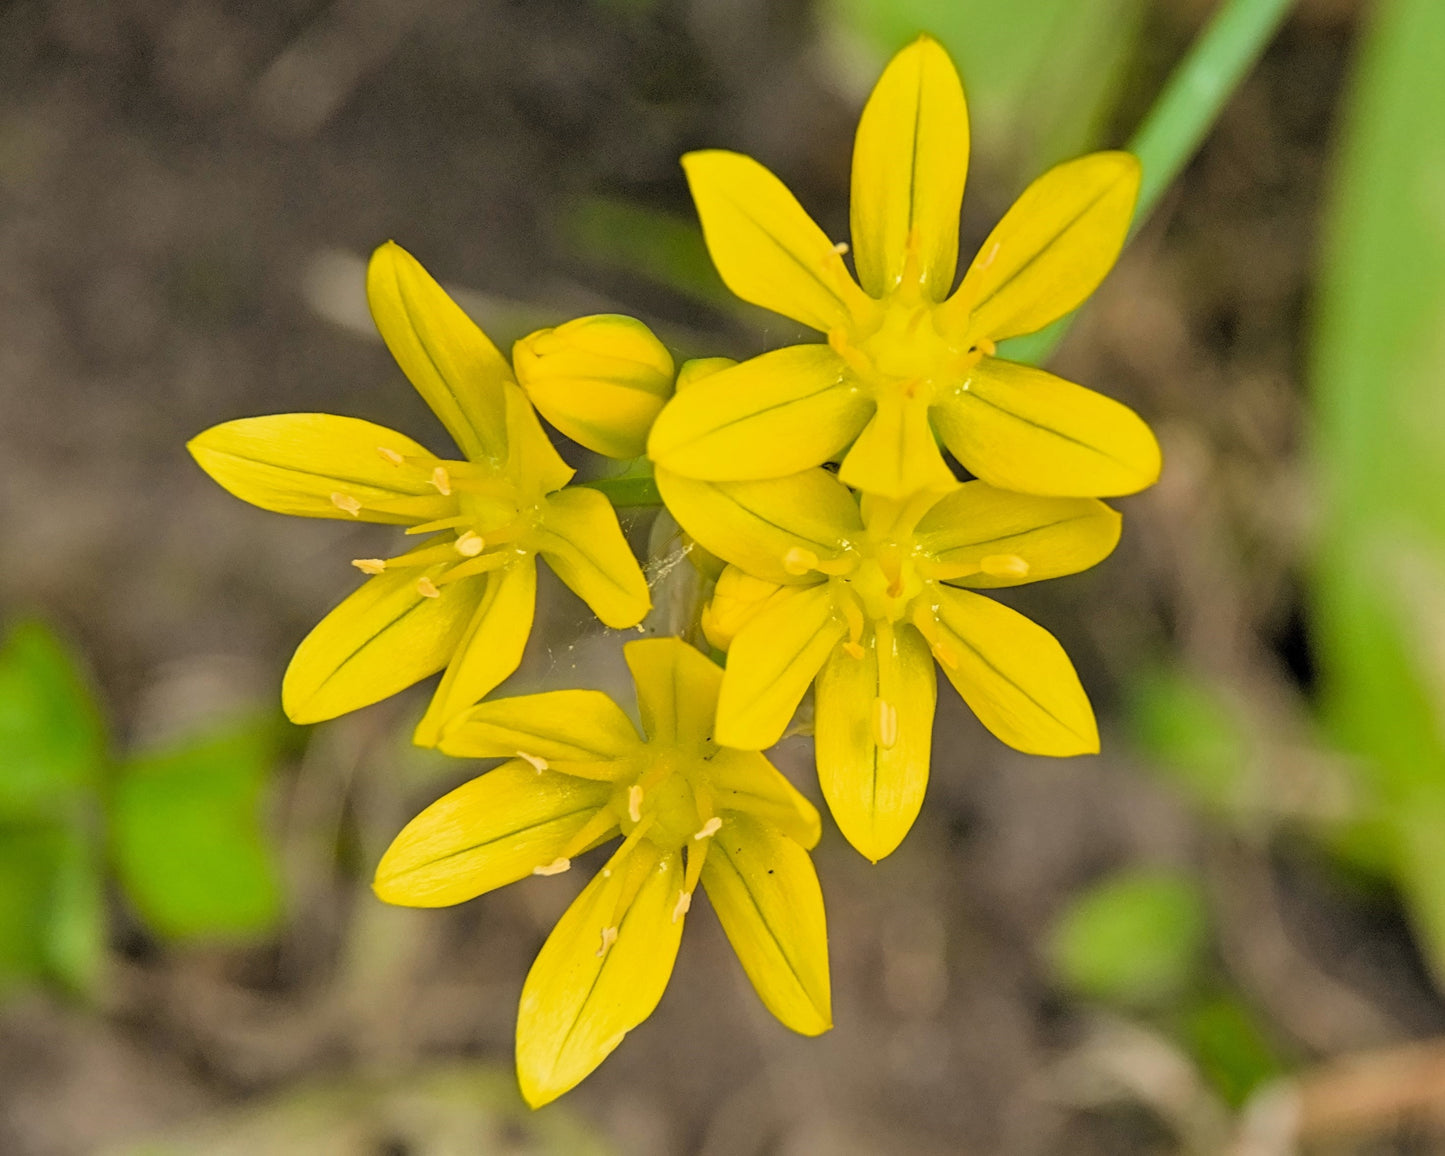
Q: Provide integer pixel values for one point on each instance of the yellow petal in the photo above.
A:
(896, 455)
(489, 650)
(766, 248)
(579, 537)
(600, 380)
(699, 368)
(380, 640)
(1015, 676)
(1051, 249)
(492, 831)
(532, 460)
(765, 892)
(571, 731)
(757, 525)
(771, 663)
(986, 537)
(677, 689)
(873, 731)
(747, 781)
(298, 463)
(582, 997)
(909, 162)
(452, 363)
(1023, 429)
(772, 415)
(736, 599)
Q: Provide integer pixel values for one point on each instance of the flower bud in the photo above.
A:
(600, 380)
(737, 599)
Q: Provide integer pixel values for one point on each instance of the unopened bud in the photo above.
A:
(600, 380)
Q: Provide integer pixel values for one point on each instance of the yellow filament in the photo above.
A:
(683, 905)
(451, 523)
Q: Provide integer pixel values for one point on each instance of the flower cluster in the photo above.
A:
(849, 558)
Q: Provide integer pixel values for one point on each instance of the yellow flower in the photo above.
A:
(689, 811)
(463, 598)
(904, 359)
(863, 597)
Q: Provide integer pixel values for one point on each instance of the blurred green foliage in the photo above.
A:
(1193, 734)
(1225, 1039)
(1041, 75)
(1136, 938)
(1378, 580)
(183, 824)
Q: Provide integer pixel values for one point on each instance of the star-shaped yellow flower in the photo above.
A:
(463, 598)
(689, 810)
(863, 597)
(904, 358)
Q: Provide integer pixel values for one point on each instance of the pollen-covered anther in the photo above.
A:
(841, 248)
(370, 565)
(609, 937)
(346, 503)
(427, 588)
(682, 906)
(709, 829)
(1004, 566)
(442, 481)
(537, 762)
(556, 867)
(634, 803)
(799, 561)
(885, 723)
(470, 544)
(390, 455)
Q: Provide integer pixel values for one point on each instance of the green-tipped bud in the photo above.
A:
(600, 380)
(700, 367)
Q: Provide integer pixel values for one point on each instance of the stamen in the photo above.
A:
(1004, 566)
(369, 565)
(634, 803)
(556, 867)
(855, 359)
(799, 561)
(539, 764)
(479, 565)
(427, 588)
(390, 455)
(609, 937)
(442, 481)
(885, 723)
(451, 523)
(684, 904)
(841, 248)
(709, 829)
(347, 504)
(985, 346)
(927, 626)
(470, 544)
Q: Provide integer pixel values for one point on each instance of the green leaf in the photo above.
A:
(51, 734)
(1378, 579)
(646, 243)
(52, 914)
(1136, 938)
(1041, 75)
(189, 839)
(1190, 729)
(1230, 1048)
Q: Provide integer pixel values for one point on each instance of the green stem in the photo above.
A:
(632, 490)
(1181, 118)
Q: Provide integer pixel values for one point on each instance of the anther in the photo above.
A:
(985, 346)
(1004, 566)
(683, 905)
(369, 565)
(427, 588)
(885, 723)
(634, 803)
(470, 544)
(709, 829)
(799, 561)
(556, 867)
(538, 763)
(390, 455)
(609, 937)
(346, 503)
(841, 248)
(442, 481)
